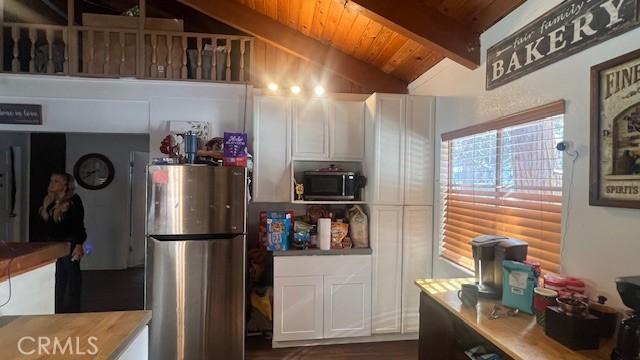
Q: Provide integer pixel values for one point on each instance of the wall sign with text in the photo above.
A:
(21, 114)
(615, 132)
(569, 28)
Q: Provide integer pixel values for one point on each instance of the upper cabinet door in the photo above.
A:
(311, 129)
(272, 134)
(419, 151)
(388, 149)
(347, 130)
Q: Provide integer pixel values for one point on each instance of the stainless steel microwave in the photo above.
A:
(332, 185)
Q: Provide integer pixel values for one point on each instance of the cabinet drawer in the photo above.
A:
(357, 265)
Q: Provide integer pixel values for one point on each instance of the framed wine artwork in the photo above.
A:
(615, 132)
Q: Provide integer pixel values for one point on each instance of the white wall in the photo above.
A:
(106, 210)
(126, 105)
(601, 243)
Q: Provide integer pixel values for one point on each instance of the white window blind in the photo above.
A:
(504, 181)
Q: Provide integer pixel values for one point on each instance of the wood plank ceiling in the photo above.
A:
(339, 23)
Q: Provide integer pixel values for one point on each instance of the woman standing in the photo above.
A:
(63, 216)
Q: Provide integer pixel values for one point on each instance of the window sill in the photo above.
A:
(457, 266)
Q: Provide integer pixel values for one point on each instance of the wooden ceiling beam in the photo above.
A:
(427, 27)
(252, 22)
(491, 14)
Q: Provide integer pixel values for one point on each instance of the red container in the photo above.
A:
(555, 281)
(576, 286)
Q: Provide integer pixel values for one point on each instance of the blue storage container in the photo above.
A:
(518, 282)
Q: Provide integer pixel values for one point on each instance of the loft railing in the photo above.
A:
(115, 52)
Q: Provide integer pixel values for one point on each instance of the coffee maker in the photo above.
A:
(489, 251)
(628, 344)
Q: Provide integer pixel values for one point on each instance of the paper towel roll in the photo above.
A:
(324, 234)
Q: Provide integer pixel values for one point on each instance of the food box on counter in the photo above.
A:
(275, 229)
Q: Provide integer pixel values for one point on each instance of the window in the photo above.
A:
(504, 178)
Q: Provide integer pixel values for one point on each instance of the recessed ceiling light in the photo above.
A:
(319, 90)
(296, 89)
(273, 87)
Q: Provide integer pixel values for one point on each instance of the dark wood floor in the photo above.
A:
(118, 290)
(260, 349)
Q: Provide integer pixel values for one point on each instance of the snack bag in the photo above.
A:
(339, 231)
(262, 231)
(235, 149)
(358, 227)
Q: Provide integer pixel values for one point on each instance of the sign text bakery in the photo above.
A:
(570, 27)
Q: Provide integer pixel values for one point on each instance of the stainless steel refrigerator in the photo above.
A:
(195, 261)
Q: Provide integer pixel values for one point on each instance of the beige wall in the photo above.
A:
(601, 243)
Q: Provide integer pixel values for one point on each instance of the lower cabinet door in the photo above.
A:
(347, 306)
(297, 308)
(386, 242)
(417, 241)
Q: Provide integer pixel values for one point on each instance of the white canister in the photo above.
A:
(324, 233)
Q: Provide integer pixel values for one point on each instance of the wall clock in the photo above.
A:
(93, 171)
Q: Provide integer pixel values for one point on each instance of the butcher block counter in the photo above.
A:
(120, 335)
(442, 317)
(29, 256)
(31, 268)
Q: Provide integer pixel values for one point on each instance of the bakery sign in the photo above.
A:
(569, 28)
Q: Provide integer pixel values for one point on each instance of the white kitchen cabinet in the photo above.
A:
(399, 149)
(417, 241)
(347, 306)
(346, 130)
(29, 293)
(310, 138)
(328, 297)
(298, 308)
(419, 158)
(385, 235)
(272, 134)
(385, 139)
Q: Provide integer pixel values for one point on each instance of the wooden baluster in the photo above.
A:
(107, 52)
(168, 72)
(214, 58)
(123, 54)
(49, 37)
(242, 60)
(72, 65)
(199, 57)
(15, 36)
(33, 36)
(65, 40)
(252, 56)
(92, 52)
(183, 71)
(228, 77)
(153, 68)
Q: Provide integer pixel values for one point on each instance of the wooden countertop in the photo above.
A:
(28, 256)
(519, 337)
(113, 332)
